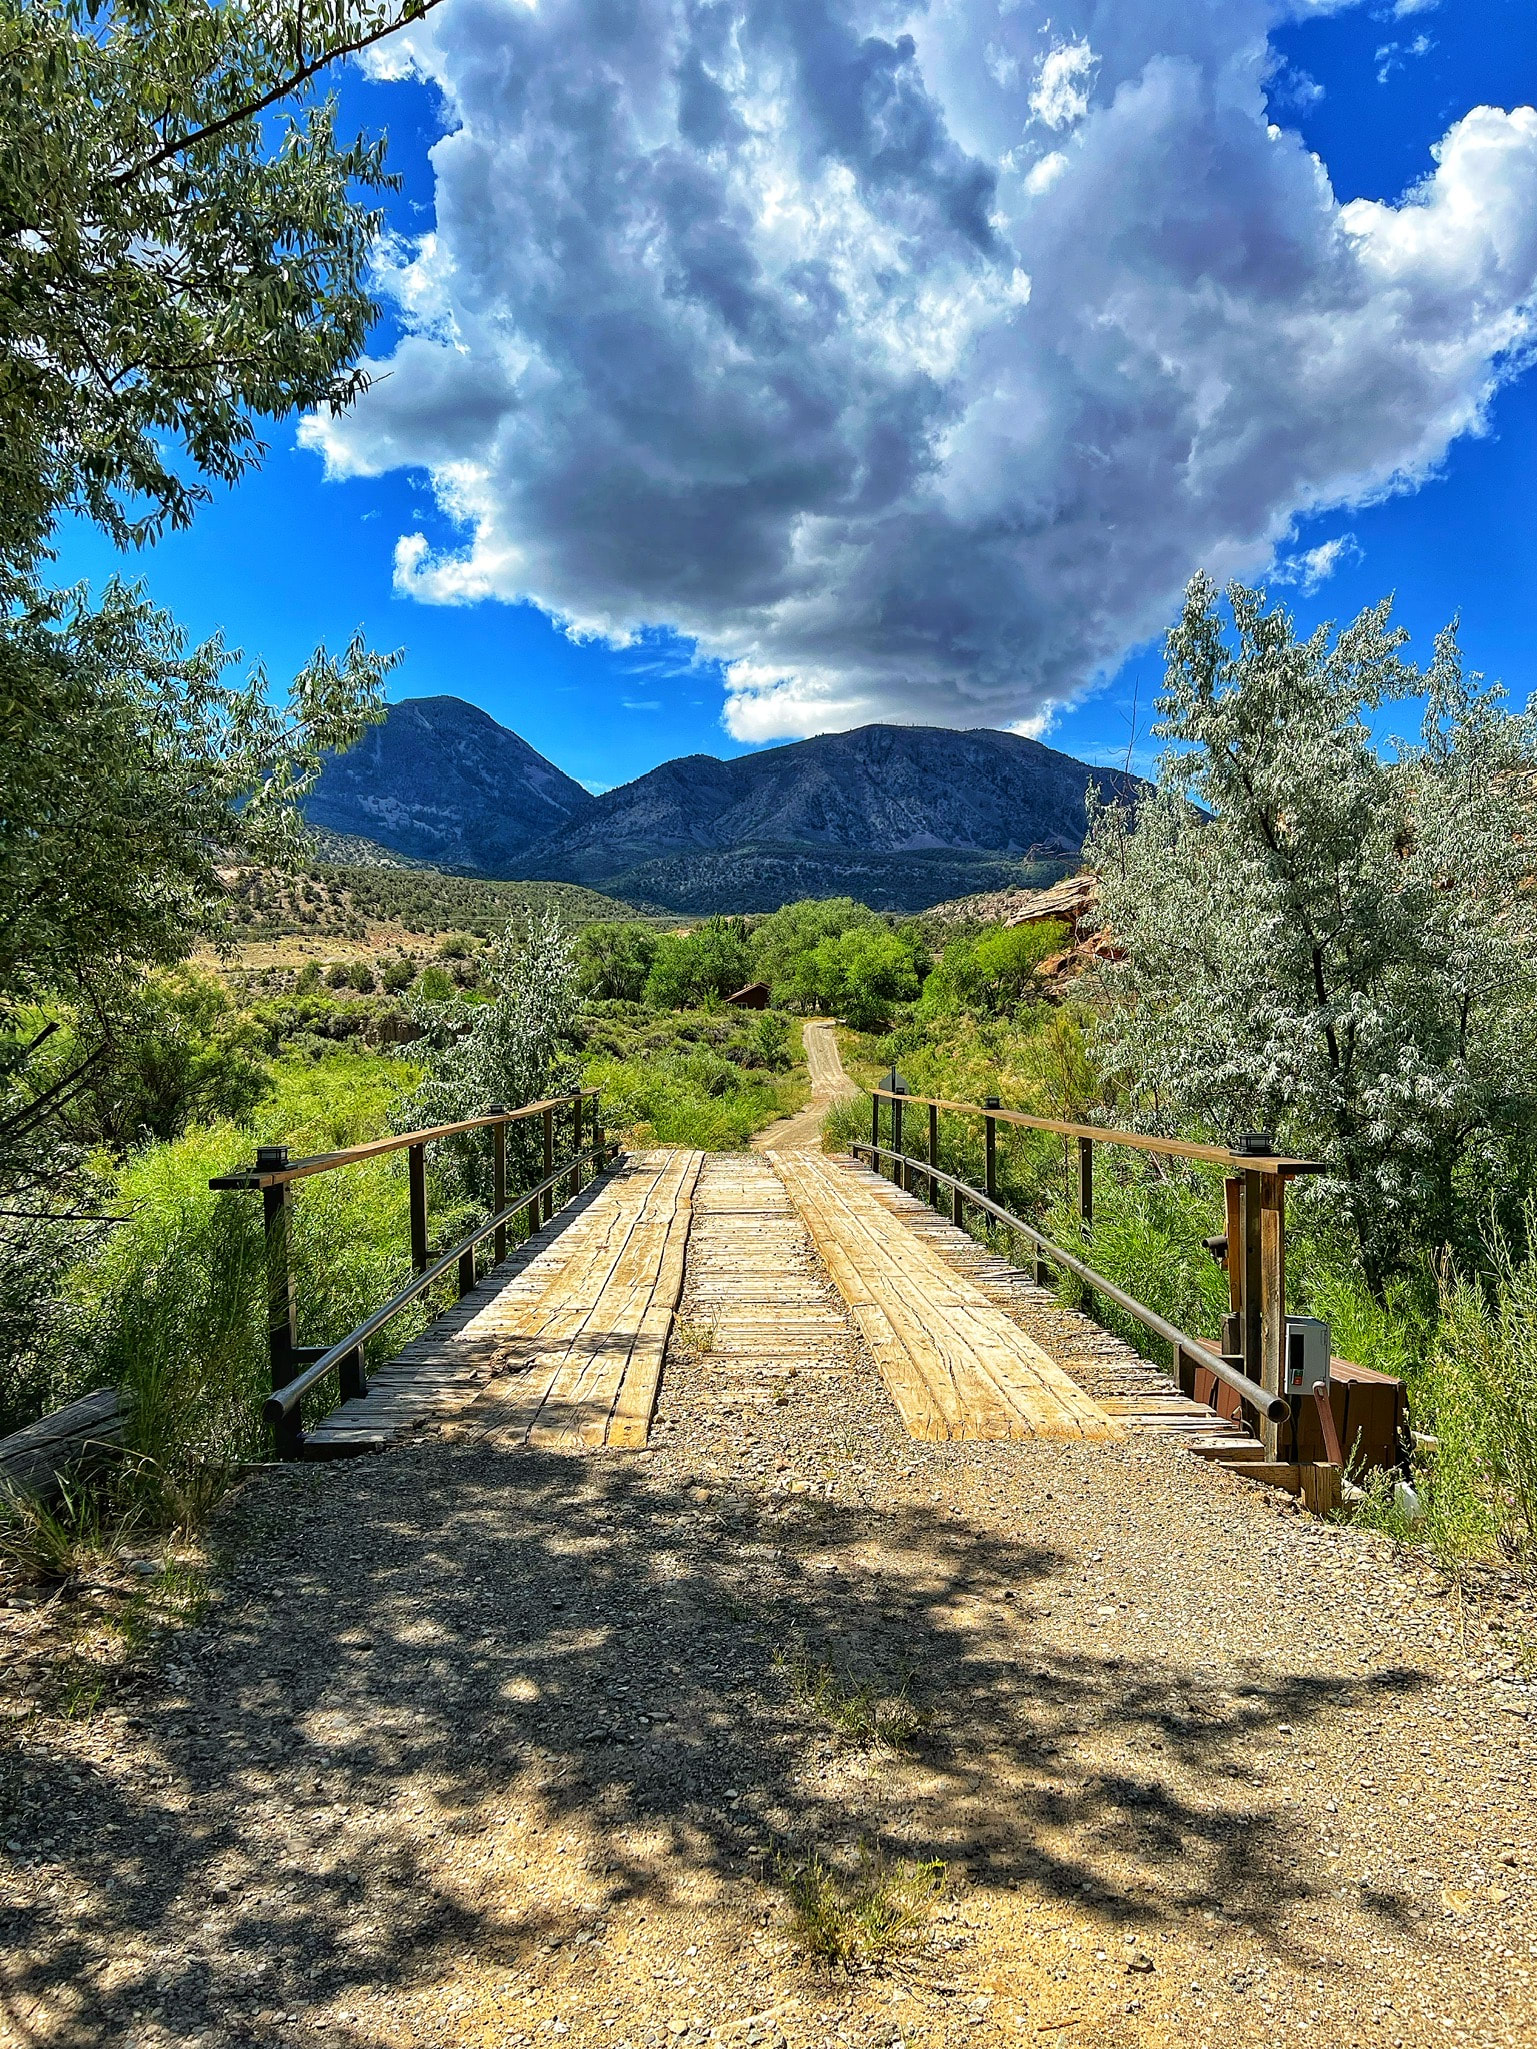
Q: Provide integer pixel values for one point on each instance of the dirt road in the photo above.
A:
(487, 1748)
(803, 1131)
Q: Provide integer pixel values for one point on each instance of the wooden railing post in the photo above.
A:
(416, 1162)
(351, 1379)
(576, 1143)
(1280, 1438)
(549, 1162)
(933, 1150)
(990, 1145)
(499, 1181)
(1251, 1296)
(282, 1319)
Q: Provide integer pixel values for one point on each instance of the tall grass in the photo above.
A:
(173, 1308)
(1481, 1484)
(692, 1098)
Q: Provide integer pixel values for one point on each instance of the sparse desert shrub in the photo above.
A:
(865, 1914)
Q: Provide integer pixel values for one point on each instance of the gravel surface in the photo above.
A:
(468, 1746)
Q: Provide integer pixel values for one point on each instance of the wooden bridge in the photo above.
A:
(558, 1331)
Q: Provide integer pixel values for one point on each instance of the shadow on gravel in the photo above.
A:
(426, 1640)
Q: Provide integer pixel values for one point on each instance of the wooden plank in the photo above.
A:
(35, 1459)
(954, 1364)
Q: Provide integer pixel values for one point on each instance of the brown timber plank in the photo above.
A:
(955, 1365)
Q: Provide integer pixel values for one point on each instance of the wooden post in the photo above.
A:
(282, 1321)
(1252, 1297)
(1086, 1186)
(351, 1379)
(1281, 1439)
(990, 1144)
(549, 1162)
(1232, 1194)
(416, 1161)
(897, 1169)
(499, 1185)
(933, 1150)
(576, 1144)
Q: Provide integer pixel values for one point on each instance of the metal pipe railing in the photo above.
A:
(1274, 1408)
(296, 1368)
(283, 1401)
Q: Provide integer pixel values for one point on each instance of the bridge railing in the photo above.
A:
(296, 1369)
(1249, 1361)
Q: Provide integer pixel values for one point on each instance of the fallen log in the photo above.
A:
(36, 1460)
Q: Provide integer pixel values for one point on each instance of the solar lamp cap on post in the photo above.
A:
(271, 1157)
(1255, 1145)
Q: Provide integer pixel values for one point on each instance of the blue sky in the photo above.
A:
(291, 556)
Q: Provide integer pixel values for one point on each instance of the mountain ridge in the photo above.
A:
(441, 781)
(900, 816)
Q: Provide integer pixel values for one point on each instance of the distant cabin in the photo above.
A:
(754, 997)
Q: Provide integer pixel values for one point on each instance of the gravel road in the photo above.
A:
(469, 1746)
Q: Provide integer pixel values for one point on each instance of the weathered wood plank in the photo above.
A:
(35, 1459)
(955, 1365)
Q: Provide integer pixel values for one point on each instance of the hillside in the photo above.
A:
(440, 781)
(900, 816)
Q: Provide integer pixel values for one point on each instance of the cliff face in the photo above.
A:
(441, 781)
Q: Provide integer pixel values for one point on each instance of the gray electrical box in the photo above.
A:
(1307, 1355)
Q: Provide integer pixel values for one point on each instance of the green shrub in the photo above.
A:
(174, 1304)
(686, 1098)
(1481, 1489)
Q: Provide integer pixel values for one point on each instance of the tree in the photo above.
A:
(514, 1049)
(613, 961)
(863, 974)
(690, 970)
(785, 945)
(1326, 938)
(176, 262)
(180, 1052)
(131, 771)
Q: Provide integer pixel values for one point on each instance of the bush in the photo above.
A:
(174, 1306)
(685, 1098)
(1482, 1392)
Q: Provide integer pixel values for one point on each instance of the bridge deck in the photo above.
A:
(559, 1346)
(1138, 1392)
(953, 1363)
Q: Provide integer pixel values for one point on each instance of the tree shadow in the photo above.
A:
(465, 1630)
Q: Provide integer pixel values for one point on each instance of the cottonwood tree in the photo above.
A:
(183, 243)
(1327, 936)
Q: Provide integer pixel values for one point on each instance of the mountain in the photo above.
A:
(899, 816)
(440, 781)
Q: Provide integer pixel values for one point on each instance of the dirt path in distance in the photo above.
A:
(829, 1082)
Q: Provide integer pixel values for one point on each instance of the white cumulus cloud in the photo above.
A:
(1061, 94)
(777, 326)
